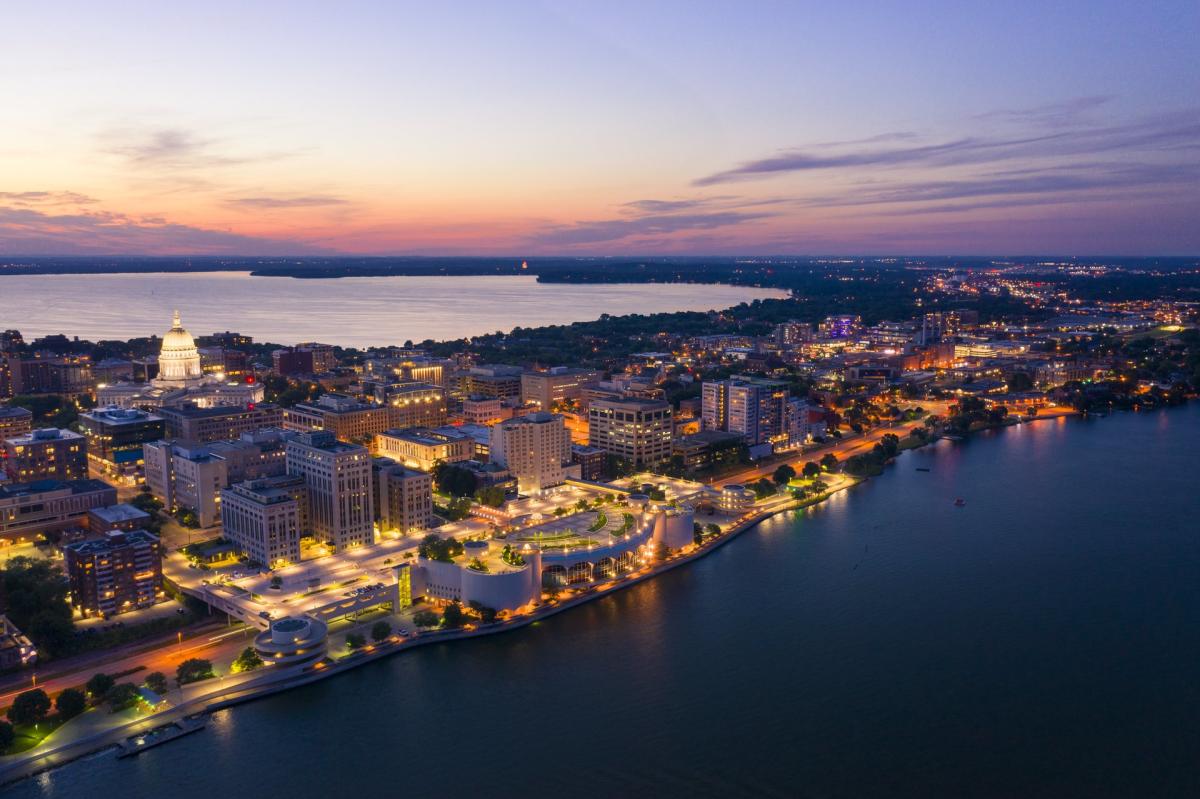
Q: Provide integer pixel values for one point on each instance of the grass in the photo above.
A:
(601, 521)
(28, 736)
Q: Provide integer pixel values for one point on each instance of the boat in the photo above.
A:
(958, 503)
(137, 744)
(922, 468)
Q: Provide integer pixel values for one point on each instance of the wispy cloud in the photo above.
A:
(1174, 132)
(266, 203)
(44, 198)
(28, 231)
(611, 230)
(175, 149)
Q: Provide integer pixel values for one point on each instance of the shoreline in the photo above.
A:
(262, 685)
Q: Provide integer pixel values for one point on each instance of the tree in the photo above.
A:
(98, 685)
(277, 582)
(763, 488)
(36, 595)
(156, 681)
(829, 462)
(783, 474)
(70, 703)
(811, 470)
(247, 660)
(698, 535)
(29, 707)
(712, 529)
(425, 618)
(380, 630)
(193, 670)
(7, 736)
(452, 616)
(122, 696)
(492, 496)
(355, 641)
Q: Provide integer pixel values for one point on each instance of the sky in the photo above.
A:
(615, 128)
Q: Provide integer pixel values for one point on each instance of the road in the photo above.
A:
(219, 645)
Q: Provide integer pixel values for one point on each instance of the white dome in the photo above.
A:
(178, 360)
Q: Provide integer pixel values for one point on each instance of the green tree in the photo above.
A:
(70, 703)
(763, 488)
(783, 474)
(492, 496)
(712, 529)
(811, 470)
(29, 707)
(7, 736)
(36, 595)
(452, 616)
(123, 695)
(156, 681)
(247, 660)
(98, 685)
(193, 670)
(380, 631)
(355, 641)
(425, 618)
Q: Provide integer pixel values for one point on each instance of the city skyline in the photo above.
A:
(554, 129)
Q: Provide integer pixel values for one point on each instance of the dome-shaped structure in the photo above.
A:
(179, 360)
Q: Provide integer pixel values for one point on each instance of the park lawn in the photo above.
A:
(27, 736)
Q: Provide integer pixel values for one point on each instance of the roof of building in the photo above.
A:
(45, 486)
(114, 539)
(122, 512)
(14, 411)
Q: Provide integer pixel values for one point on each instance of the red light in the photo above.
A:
(249, 379)
(249, 406)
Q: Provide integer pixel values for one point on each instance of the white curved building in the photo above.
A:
(179, 359)
(292, 641)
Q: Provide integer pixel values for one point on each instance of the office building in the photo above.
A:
(536, 448)
(338, 476)
(46, 454)
(186, 476)
(421, 447)
(502, 382)
(844, 326)
(121, 516)
(403, 496)
(592, 461)
(307, 359)
(266, 518)
(119, 572)
(192, 422)
(30, 510)
(261, 453)
(15, 422)
(552, 389)
(639, 431)
(115, 437)
(345, 417)
(413, 404)
(485, 410)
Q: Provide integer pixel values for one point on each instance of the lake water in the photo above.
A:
(354, 312)
(1041, 641)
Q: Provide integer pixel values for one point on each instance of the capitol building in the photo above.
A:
(180, 379)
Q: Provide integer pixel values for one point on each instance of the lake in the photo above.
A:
(351, 312)
(1041, 641)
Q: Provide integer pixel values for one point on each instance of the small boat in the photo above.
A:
(958, 503)
(922, 468)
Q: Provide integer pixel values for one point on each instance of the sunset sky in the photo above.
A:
(520, 128)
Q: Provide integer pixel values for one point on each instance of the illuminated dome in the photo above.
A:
(179, 360)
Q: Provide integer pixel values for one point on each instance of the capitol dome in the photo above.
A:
(179, 360)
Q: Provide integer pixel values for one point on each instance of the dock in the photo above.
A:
(136, 744)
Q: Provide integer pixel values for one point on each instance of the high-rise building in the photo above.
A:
(549, 390)
(266, 518)
(750, 406)
(46, 454)
(636, 430)
(15, 422)
(120, 572)
(493, 380)
(403, 496)
(338, 476)
(191, 422)
(114, 440)
(186, 475)
(536, 449)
